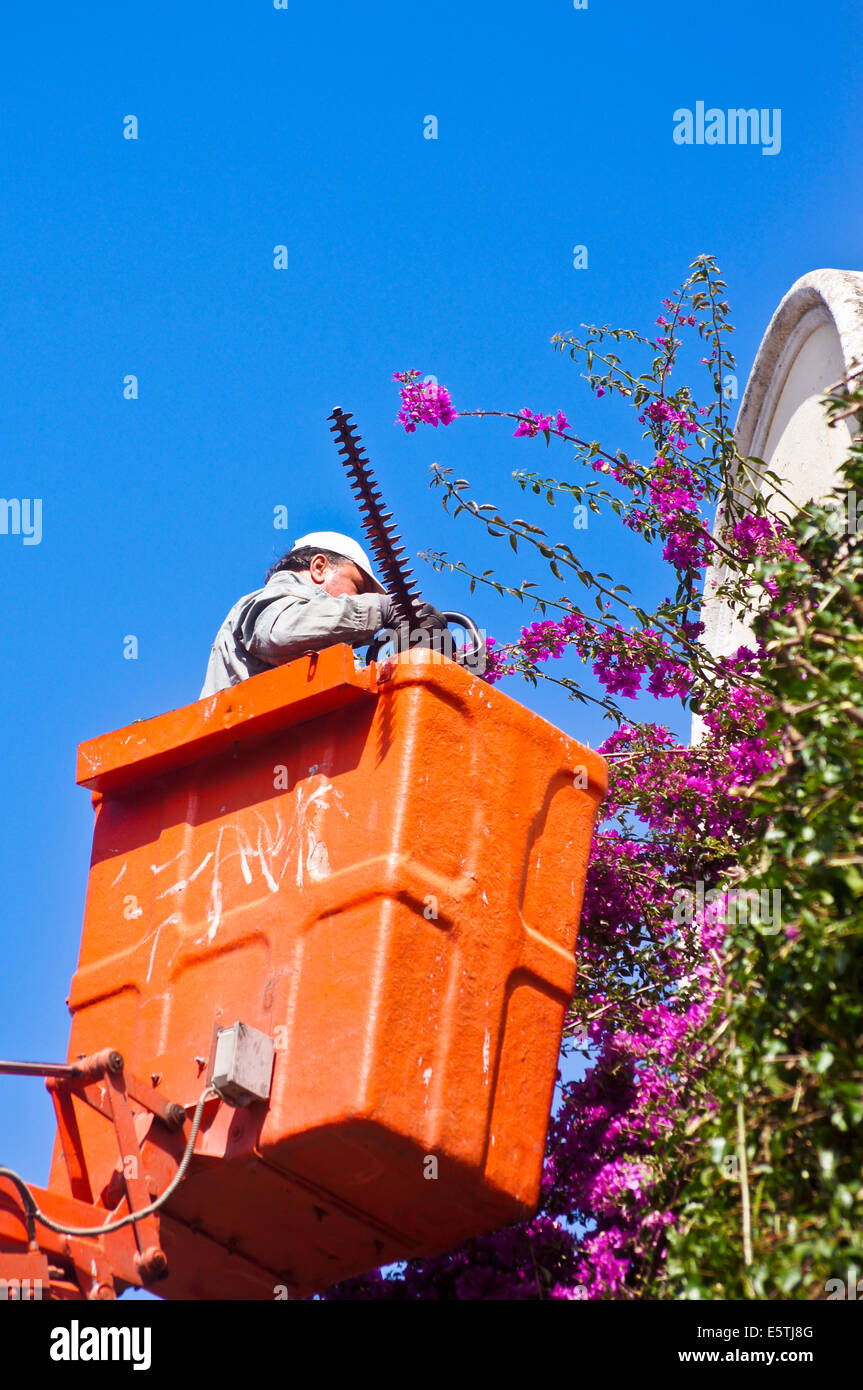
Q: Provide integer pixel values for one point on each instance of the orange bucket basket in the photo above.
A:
(381, 870)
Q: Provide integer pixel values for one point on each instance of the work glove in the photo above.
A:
(427, 617)
(430, 617)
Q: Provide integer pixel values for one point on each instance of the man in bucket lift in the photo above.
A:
(322, 591)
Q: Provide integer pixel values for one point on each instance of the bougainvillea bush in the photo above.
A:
(710, 1149)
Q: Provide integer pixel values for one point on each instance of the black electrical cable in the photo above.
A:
(34, 1214)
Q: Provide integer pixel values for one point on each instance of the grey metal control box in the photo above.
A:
(241, 1064)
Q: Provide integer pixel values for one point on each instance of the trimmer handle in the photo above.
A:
(473, 658)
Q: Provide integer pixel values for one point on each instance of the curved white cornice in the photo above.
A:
(821, 297)
(812, 340)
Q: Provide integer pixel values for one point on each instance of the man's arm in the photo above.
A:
(279, 627)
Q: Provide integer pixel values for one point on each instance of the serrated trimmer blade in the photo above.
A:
(384, 541)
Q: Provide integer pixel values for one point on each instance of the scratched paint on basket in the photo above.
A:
(270, 842)
(270, 856)
(275, 848)
(309, 818)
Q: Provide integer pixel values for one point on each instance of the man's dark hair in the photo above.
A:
(299, 560)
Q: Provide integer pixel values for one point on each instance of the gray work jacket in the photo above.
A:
(289, 616)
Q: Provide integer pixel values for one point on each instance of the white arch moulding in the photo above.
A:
(814, 337)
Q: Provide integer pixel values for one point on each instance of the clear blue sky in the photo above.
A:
(304, 127)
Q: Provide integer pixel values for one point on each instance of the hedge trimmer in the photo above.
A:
(385, 545)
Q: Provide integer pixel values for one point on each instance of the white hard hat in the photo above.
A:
(340, 545)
